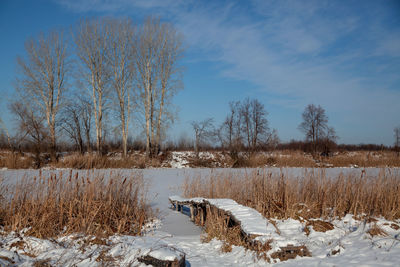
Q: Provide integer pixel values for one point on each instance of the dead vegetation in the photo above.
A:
(375, 230)
(318, 226)
(93, 161)
(312, 195)
(291, 252)
(64, 204)
(289, 158)
(15, 161)
(214, 159)
(217, 226)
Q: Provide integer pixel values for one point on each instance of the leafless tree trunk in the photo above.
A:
(170, 73)
(32, 125)
(232, 128)
(120, 59)
(43, 77)
(148, 47)
(72, 125)
(86, 112)
(91, 43)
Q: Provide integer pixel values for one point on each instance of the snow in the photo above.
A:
(178, 160)
(175, 233)
(76, 250)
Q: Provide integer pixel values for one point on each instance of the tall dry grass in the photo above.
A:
(93, 161)
(364, 159)
(278, 159)
(314, 195)
(289, 158)
(49, 206)
(12, 160)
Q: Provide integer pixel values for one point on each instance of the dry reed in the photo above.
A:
(92, 161)
(49, 206)
(12, 160)
(314, 195)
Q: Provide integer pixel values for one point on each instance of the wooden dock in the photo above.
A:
(257, 239)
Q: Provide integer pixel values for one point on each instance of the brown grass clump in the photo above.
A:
(313, 195)
(291, 252)
(375, 230)
(12, 160)
(7, 259)
(49, 206)
(318, 226)
(219, 226)
(42, 263)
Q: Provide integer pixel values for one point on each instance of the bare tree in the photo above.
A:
(272, 140)
(231, 129)
(170, 75)
(43, 77)
(255, 123)
(86, 120)
(71, 123)
(91, 45)
(329, 141)
(31, 126)
(314, 125)
(147, 48)
(396, 132)
(203, 130)
(120, 59)
(158, 48)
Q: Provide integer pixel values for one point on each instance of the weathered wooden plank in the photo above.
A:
(149, 260)
(204, 208)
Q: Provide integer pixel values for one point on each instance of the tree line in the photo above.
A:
(105, 67)
(246, 128)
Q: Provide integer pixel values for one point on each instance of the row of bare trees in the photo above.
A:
(107, 67)
(244, 128)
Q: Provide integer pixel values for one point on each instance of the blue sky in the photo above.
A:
(343, 55)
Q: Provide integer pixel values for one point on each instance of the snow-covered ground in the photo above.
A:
(348, 244)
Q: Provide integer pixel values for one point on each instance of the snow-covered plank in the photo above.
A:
(252, 223)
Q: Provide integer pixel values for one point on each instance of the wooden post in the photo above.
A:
(191, 212)
(202, 216)
(176, 205)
